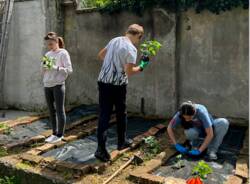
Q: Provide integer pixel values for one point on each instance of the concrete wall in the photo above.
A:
(23, 80)
(87, 33)
(214, 61)
(204, 57)
(30, 22)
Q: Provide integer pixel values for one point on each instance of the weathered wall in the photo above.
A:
(204, 57)
(214, 61)
(87, 33)
(23, 80)
(30, 22)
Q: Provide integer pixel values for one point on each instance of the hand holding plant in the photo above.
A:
(148, 48)
(48, 62)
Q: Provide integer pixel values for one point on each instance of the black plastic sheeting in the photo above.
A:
(222, 168)
(27, 131)
(82, 151)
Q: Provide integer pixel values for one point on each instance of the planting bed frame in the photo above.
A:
(30, 164)
(143, 174)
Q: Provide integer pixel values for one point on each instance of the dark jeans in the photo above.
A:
(109, 96)
(55, 97)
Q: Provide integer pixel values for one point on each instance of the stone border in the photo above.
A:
(143, 174)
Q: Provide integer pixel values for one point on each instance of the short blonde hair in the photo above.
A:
(135, 29)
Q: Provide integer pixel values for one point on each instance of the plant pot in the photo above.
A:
(194, 180)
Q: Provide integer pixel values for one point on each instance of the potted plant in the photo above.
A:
(200, 172)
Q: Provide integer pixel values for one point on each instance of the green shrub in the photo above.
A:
(139, 6)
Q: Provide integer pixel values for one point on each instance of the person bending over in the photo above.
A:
(198, 125)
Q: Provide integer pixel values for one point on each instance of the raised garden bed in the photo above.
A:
(73, 167)
(231, 161)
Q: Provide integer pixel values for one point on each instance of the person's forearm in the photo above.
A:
(66, 70)
(102, 54)
(171, 135)
(101, 58)
(205, 143)
(134, 70)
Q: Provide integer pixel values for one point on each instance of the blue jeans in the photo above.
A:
(220, 129)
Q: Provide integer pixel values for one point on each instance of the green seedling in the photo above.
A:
(152, 145)
(150, 48)
(179, 162)
(202, 169)
(6, 129)
(48, 61)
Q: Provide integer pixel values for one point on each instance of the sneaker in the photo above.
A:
(125, 145)
(102, 154)
(50, 138)
(57, 139)
(212, 155)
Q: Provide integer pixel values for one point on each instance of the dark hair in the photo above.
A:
(187, 108)
(53, 36)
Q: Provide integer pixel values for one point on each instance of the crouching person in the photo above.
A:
(198, 125)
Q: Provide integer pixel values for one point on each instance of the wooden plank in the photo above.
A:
(234, 180)
(242, 167)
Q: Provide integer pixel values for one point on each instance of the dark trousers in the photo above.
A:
(109, 96)
(55, 97)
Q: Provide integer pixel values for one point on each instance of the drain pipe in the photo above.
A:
(177, 59)
(143, 106)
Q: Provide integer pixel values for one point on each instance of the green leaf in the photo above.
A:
(150, 48)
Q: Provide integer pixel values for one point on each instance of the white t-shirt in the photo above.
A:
(53, 77)
(120, 51)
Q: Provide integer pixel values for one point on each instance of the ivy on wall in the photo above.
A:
(139, 6)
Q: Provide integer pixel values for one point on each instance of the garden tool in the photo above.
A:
(135, 160)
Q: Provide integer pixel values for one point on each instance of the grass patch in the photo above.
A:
(9, 180)
(67, 175)
(3, 152)
(23, 166)
(6, 129)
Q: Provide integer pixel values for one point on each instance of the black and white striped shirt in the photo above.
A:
(120, 51)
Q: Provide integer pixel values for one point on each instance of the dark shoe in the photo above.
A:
(102, 154)
(126, 144)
